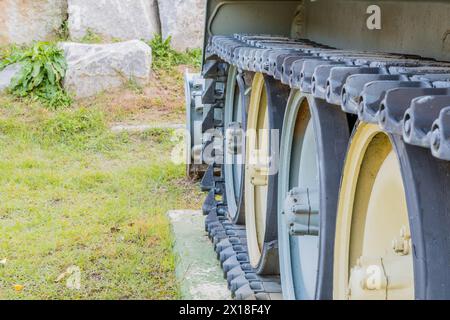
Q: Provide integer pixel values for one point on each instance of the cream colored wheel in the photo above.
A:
(373, 252)
(257, 169)
(264, 123)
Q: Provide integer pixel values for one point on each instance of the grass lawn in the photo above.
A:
(74, 196)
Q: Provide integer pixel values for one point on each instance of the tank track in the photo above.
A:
(406, 95)
(229, 239)
(230, 244)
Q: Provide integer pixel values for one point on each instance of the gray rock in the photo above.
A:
(26, 21)
(7, 74)
(113, 19)
(184, 21)
(102, 67)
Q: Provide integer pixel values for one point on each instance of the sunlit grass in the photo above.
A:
(74, 194)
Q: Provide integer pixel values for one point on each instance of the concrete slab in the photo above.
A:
(197, 268)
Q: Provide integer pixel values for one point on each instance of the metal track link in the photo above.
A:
(406, 95)
(230, 244)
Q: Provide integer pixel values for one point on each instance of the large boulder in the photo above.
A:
(23, 21)
(184, 21)
(93, 68)
(113, 19)
(7, 74)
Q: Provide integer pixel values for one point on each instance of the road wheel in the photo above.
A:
(236, 103)
(265, 116)
(390, 236)
(313, 146)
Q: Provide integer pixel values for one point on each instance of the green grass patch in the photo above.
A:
(74, 195)
(91, 37)
(166, 58)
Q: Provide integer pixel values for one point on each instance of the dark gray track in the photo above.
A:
(408, 96)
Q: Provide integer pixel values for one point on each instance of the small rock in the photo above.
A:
(113, 19)
(93, 68)
(73, 275)
(7, 74)
(184, 21)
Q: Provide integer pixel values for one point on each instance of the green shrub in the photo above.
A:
(43, 69)
(194, 57)
(165, 57)
(62, 33)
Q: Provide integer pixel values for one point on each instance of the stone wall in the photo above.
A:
(24, 21)
(183, 20)
(114, 19)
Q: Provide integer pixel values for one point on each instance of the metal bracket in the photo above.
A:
(234, 138)
(301, 212)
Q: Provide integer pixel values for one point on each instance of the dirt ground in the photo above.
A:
(162, 101)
